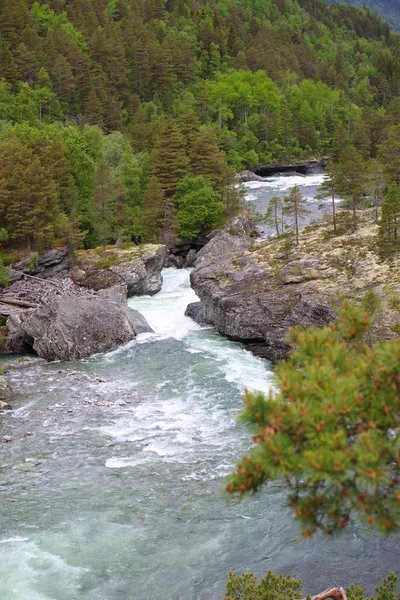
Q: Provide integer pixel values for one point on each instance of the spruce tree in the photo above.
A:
(295, 207)
(389, 226)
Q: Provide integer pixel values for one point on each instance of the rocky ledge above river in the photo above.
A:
(255, 292)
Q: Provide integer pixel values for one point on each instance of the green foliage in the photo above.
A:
(198, 206)
(389, 226)
(331, 432)
(270, 587)
(278, 587)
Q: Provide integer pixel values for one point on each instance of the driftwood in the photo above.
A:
(17, 302)
(337, 593)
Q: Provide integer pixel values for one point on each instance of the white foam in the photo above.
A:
(287, 182)
(14, 540)
(165, 312)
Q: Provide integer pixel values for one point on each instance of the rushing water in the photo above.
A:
(259, 193)
(111, 488)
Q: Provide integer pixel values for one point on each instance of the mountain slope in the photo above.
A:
(389, 10)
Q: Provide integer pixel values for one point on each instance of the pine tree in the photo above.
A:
(331, 432)
(328, 188)
(389, 154)
(169, 161)
(105, 193)
(273, 216)
(207, 160)
(351, 179)
(153, 204)
(377, 183)
(295, 207)
(8, 68)
(389, 226)
(29, 199)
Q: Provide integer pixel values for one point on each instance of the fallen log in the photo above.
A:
(16, 302)
(337, 593)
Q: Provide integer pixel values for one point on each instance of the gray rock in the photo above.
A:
(77, 327)
(138, 268)
(175, 262)
(196, 311)
(226, 243)
(190, 259)
(247, 301)
(51, 264)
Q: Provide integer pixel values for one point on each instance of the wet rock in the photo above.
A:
(5, 405)
(196, 311)
(78, 326)
(7, 438)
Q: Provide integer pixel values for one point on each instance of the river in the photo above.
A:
(112, 485)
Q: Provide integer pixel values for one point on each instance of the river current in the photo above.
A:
(112, 485)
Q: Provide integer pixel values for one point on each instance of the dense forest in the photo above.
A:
(389, 10)
(126, 120)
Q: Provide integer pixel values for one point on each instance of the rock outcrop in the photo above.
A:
(77, 326)
(54, 263)
(257, 294)
(138, 267)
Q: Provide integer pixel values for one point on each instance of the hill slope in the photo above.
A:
(389, 10)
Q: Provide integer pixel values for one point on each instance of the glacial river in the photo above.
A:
(112, 485)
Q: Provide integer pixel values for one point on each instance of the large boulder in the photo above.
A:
(54, 263)
(138, 267)
(224, 244)
(75, 327)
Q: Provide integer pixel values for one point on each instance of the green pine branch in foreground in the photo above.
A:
(332, 432)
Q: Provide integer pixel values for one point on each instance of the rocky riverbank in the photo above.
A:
(255, 292)
(59, 320)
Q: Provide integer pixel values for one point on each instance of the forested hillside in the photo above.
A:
(125, 120)
(389, 10)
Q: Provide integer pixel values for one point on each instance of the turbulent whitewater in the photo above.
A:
(111, 488)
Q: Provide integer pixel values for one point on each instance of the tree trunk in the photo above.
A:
(334, 210)
(296, 218)
(354, 226)
(276, 219)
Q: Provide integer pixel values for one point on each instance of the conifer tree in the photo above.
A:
(331, 432)
(207, 160)
(29, 199)
(170, 162)
(105, 193)
(328, 188)
(351, 179)
(389, 226)
(295, 207)
(377, 183)
(153, 203)
(389, 154)
(273, 216)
